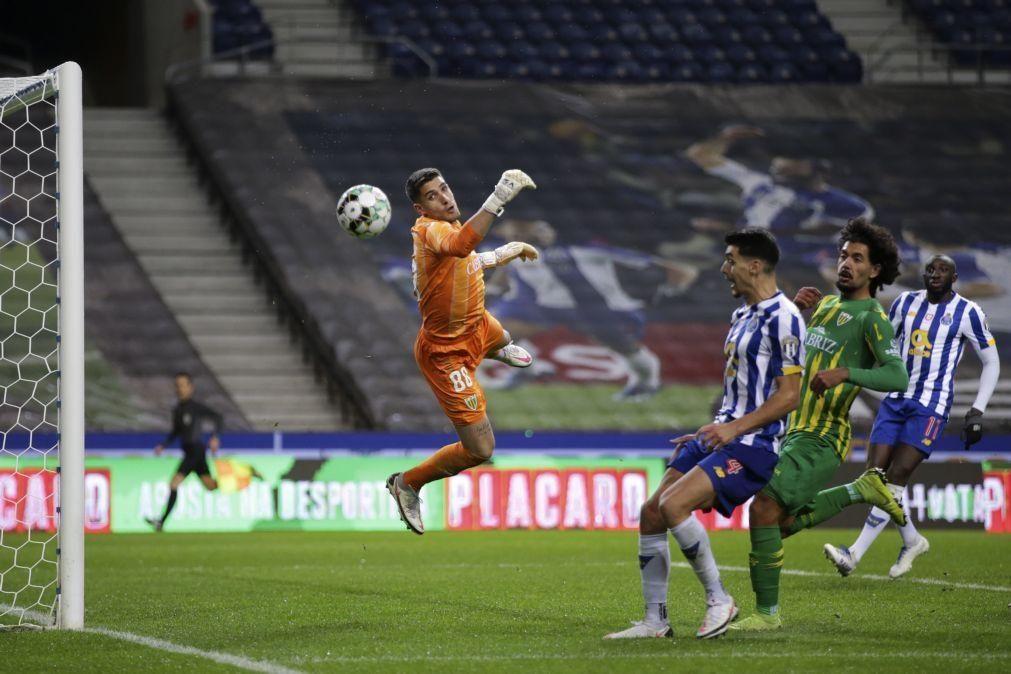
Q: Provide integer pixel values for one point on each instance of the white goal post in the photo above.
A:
(42, 350)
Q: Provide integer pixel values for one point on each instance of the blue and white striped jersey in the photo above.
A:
(778, 207)
(931, 339)
(766, 341)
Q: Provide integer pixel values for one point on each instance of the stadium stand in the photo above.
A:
(614, 180)
(715, 41)
(238, 25)
(977, 32)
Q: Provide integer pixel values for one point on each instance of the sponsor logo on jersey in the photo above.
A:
(734, 466)
(816, 339)
(471, 402)
(719, 471)
(843, 319)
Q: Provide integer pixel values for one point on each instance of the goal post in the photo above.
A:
(42, 350)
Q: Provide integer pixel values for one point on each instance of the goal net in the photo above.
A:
(41, 351)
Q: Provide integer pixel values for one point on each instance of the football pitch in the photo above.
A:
(511, 601)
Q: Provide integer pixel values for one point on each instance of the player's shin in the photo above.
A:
(173, 494)
(654, 567)
(766, 563)
(873, 525)
(825, 505)
(448, 461)
(694, 543)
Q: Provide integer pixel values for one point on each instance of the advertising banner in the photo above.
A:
(272, 491)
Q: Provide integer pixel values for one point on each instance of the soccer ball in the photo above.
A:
(363, 211)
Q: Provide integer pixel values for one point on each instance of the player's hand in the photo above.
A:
(214, 444)
(158, 449)
(503, 255)
(713, 436)
(827, 379)
(509, 185)
(972, 432)
(680, 442)
(807, 297)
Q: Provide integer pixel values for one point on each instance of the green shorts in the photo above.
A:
(807, 462)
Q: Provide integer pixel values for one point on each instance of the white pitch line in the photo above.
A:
(652, 655)
(216, 656)
(744, 569)
(38, 618)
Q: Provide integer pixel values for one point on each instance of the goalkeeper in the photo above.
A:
(848, 346)
(456, 333)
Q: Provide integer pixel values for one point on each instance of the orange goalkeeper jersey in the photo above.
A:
(448, 277)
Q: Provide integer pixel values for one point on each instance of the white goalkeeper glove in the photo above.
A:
(503, 255)
(509, 185)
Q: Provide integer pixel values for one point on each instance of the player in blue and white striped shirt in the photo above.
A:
(726, 462)
(932, 327)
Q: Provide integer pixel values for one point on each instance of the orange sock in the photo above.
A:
(448, 461)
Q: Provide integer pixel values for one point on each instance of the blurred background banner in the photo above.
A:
(273, 491)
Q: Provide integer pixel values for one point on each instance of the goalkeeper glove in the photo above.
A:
(503, 255)
(972, 432)
(509, 185)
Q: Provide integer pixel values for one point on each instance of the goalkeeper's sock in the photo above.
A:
(766, 562)
(654, 567)
(170, 505)
(694, 543)
(825, 505)
(446, 462)
(873, 525)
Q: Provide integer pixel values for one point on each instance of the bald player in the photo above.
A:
(456, 333)
(932, 327)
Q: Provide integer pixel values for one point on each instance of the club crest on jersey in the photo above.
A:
(471, 402)
(843, 319)
(734, 466)
(752, 324)
(790, 346)
(946, 319)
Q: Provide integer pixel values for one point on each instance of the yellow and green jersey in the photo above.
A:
(854, 334)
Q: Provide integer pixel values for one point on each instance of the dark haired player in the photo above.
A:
(726, 462)
(848, 346)
(188, 417)
(932, 327)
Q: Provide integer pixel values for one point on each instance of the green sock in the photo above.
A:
(766, 562)
(825, 505)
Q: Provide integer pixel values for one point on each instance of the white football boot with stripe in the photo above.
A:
(513, 356)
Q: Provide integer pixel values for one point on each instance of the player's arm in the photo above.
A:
(778, 405)
(807, 298)
(890, 373)
(172, 434)
(462, 242)
(978, 334)
(711, 152)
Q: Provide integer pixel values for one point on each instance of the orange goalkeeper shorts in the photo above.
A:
(450, 369)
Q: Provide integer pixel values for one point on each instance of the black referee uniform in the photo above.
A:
(188, 418)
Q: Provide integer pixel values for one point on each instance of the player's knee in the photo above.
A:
(482, 449)
(650, 518)
(764, 511)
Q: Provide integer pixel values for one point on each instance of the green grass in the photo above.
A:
(505, 601)
(592, 407)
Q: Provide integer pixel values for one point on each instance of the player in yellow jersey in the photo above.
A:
(848, 346)
(456, 332)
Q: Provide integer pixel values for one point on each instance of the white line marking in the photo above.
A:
(744, 569)
(216, 656)
(38, 618)
(672, 653)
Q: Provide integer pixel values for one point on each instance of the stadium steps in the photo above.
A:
(155, 201)
(317, 38)
(893, 48)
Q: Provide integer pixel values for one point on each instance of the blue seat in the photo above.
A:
(616, 52)
(552, 52)
(751, 73)
(783, 72)
(696, 35)
(727, 36)
(740, 54)
(679, 54)
(757, 36)
(711, 55)
(540, 32)
(497, 13)
(521, 50)
(478, 30)
(788, 36)
(720, 73)
(573, 33)
(633, 33)
(585, 52)
(663, 33)
(491, 50)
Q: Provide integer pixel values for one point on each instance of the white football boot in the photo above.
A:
(841, 557)
(641, 629)
(513, 356)
(408, 502)
(717, 619)
(906, 556)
